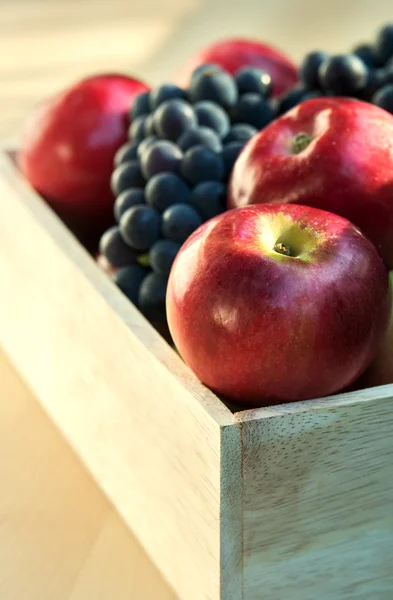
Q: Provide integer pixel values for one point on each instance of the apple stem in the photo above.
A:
(300, 143)
(283, 249)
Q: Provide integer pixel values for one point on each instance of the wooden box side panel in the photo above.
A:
(231, 514)
(318, 502)
(151, 444)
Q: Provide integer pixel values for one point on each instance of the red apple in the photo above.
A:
(68, 148)
(276, 303)
(380, 371)
(331, 153)
(234, 53)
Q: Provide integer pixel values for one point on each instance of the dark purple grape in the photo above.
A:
(366, 53)
(115, 250)
(230, 153)
(376, 79)
(343, 74)
(309, 68)
(126, 153)
(140, 105)
(129, 280)
(254, 81)
(145, 144)
(140, 227)
(165, 189)
(149, 128)
(240, 132)
(382, 77)
(127, 199)
(291, 98)
(160, 157)
(384, 98)
(205, 68)
(201, 164)
(209, 198)
(201, 136)
(125, 176)
(213, 85)
(136, 130)
(152, 297)
(179, 221)
(174, 117)
(383, 49)
(162, 255)
(253, 110)
(213, 116)
(167, 91)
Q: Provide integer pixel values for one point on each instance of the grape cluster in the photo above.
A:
(366, 74)
(172, 174)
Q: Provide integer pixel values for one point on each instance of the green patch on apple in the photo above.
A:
(282, 238)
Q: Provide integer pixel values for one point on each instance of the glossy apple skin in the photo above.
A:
(347, 169)
(234, 53)
(68, 148)
(262, 331)
(380, 372)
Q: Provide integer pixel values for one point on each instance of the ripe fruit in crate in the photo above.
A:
(276, 303)
(172, 174)
(331, 153)
(68, 147)
(233, 54)
(380, 371)
(366, 73)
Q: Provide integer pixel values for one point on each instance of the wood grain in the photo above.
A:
(59, 537)
(318, 499)
(157, 441)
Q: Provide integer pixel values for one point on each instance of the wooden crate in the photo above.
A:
(293, 502)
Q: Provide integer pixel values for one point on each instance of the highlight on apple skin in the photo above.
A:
(276, 303)
(331, 153)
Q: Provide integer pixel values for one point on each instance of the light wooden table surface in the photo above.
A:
(59, 537)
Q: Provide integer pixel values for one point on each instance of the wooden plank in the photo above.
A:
(59, 537)
(231, 514)
(318, 499)
(151, 435)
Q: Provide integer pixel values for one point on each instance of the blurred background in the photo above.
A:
(47, 44)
